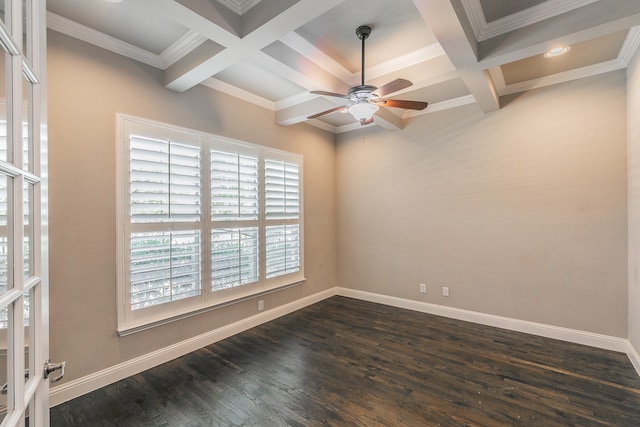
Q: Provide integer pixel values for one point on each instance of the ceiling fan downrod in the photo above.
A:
(363, 33)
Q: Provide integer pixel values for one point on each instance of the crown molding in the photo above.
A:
(298, 43)
(236, 92)
(239, 6)
(96, 38)
(181, 48)
(475, 15)
(322, 125)
(441, 106)
(484, 30)
(352, 126)
(630, 46)
(167, 58)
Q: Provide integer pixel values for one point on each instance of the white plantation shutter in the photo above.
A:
(283, 250)
(282, 212)
(203, 221)
(282, 190)
(234, 186)
(234, 257)
(165, 267)
(234, 208)
(165, 181)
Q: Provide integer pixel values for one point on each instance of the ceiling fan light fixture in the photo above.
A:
(362, 110)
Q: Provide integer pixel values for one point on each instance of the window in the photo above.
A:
(202, 220)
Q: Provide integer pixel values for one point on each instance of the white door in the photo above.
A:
(24, 341)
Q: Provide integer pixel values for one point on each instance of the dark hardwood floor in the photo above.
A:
(346, 362)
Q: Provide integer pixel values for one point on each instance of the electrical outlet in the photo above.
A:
(423, 288)
(261, 305)
(445, 291)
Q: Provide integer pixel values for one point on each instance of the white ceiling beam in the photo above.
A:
(213, 25)
(388, 120)
(410, 59)
(285, 57)
(289, 20)
(234, 91)
(212, 21)
(281, 69)
(439, 69)
(431, 81)
(441, 17)
(299, 44)
(299, 112)
(178, 77)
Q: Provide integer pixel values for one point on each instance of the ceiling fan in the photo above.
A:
(364, 100)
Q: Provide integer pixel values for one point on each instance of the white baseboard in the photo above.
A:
(72, 389)
(634, 357)
(80, 386)
(571, 335)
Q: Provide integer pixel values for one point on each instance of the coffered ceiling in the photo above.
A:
(274, 52)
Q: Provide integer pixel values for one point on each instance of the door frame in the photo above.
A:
(23, 39)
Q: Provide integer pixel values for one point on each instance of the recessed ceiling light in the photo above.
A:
(113, 1)
(557, 51)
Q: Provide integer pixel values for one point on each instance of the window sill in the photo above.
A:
(132, 329)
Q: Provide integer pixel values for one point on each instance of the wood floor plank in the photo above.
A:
(345, 362)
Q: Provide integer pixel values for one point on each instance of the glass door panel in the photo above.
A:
(27, 32)
(4, 108)
(28, 362)
(5, 244)
(28, 238)
(27, 141)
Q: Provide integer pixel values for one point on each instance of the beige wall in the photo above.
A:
(521, 213)
(87, 86)
(633, 135)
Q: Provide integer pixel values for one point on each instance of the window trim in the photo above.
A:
(131, 321)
